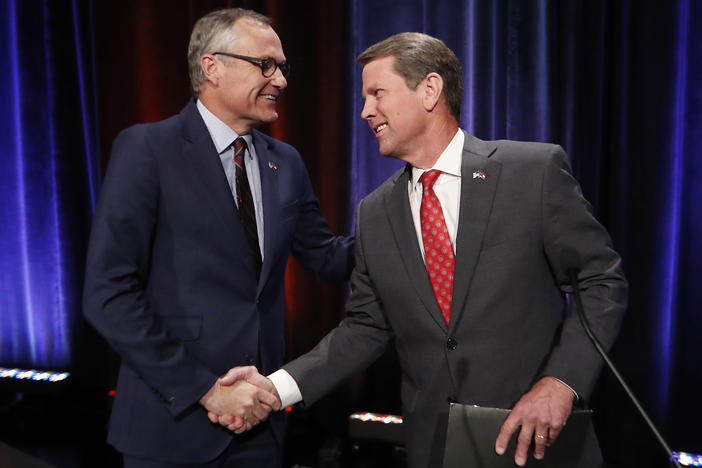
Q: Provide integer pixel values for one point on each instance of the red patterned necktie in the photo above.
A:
(244, 199)
(438, 252)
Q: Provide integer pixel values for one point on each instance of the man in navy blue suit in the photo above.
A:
(185, 273)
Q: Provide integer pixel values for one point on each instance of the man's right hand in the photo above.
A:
(240, 399)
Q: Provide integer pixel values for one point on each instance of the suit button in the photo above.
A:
(451, 344)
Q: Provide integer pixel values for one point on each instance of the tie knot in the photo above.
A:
(239, 144)
(429, 177)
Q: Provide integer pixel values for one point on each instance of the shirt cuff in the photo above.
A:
(575, 394)
(287, 388)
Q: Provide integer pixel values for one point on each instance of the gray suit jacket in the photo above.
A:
(509, 324)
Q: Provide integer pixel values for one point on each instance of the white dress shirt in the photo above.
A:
(447, 189)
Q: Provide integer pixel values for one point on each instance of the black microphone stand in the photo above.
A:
(573, 277)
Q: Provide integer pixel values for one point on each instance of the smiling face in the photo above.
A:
(237, 92)
(394, 112)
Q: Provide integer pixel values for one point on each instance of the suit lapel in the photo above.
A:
(479, 178)
(402, 226)
(200, 153)
(268, 163)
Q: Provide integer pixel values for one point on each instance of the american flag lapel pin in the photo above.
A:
(272, 166)
(479, 175)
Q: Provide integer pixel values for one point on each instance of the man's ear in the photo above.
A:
(210, 68)
(433, 86)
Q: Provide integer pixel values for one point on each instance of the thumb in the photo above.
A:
(237, 373)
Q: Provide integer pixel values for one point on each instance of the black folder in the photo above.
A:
(472, 431)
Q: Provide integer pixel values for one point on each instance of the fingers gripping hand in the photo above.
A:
(266, 402)
(239, 401)
(249, 405)
(541, 413)
(254, 396)
(252, 376)
(236, 424)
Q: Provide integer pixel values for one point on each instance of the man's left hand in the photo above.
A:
(542, 413)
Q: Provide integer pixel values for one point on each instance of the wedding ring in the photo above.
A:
(539, 436)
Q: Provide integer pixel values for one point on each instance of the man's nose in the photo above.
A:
(368, 109)
(279, 80)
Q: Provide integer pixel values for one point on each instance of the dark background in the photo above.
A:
(616, 83)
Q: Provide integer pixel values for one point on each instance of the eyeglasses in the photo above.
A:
(267, 64)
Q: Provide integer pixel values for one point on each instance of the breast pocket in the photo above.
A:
(505, 251)
(491, 242)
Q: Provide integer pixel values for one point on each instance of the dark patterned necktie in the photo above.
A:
(438, 252)
(244, 199)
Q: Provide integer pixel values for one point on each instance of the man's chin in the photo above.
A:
(387, 152)
(391, 154)
(269, 117)
(266, 119)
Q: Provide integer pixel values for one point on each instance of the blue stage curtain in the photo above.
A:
(618, 85)
(48, 177)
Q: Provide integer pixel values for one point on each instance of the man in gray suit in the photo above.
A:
(458, 265)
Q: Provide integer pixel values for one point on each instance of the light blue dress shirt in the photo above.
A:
(223, 138)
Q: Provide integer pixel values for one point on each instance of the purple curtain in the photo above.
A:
(616, 83)
(48, 178)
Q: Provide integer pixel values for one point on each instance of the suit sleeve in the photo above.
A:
(356, 343)
(119, 256)
(328, 257)
(568, 223)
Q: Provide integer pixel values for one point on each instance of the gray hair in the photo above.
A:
(416, 55)
(214, 32)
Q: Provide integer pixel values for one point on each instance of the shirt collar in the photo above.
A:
(222, 134)
(449, 160)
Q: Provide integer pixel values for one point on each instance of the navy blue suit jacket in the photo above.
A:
(170, 280)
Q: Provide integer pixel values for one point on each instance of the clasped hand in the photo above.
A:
(541, 413)
(241, 399)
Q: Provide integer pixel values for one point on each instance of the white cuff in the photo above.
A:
(575, 394)
(287, 388)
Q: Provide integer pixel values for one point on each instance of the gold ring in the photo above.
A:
(539, 436)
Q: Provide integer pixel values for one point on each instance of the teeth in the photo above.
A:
(380, 127)
(268, 96)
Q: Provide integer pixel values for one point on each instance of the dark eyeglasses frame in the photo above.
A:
(265, 63)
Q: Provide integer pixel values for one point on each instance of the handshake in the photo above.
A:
(241, 399)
